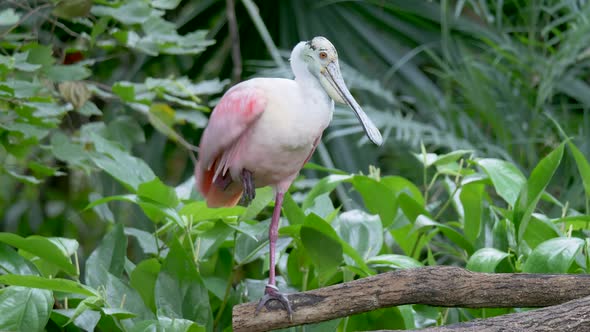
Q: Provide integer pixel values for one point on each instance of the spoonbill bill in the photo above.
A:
(264, 130)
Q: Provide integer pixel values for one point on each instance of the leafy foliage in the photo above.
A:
(102, 228)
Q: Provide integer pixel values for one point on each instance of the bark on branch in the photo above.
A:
(437, 286)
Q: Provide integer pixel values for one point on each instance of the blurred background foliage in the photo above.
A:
(99, 97)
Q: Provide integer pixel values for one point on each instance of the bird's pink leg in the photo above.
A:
(271, 291)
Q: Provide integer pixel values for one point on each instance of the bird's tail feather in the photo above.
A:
(215, 195)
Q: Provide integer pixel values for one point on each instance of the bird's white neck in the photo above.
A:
(305, 79)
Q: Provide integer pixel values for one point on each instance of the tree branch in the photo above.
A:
(438, 286)
(571, 316)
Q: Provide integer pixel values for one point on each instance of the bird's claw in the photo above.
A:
(248, 185)
(271, 292)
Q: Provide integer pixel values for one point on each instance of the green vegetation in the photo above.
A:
(483, 104)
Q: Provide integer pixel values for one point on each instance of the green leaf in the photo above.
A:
(55, 284)
(506, 178)
(486, 260)
(471, 197)
(108, 257)
(378, 198)
(583, 167)
(125, 91)
(394, 261)
(24, 309)
(127, 169)
(143, 279)
(132, 12)
(323, 186)
(209, 241)
(534, 188)
(165, 4)
(123, 297)
(322, 245)
(8, 17)
(146, 240)
(41, 247)
(361, 231)
(86, 320)
(263, 197)
(199, 211)
(61, 73)
(168, 324)
(540, 230)
(180, 292)
(292, 211)
(553, 256)
(11, 262)
(157, 191)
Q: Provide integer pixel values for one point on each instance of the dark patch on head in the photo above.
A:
(310, 44)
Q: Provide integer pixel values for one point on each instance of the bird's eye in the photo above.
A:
(323, 55)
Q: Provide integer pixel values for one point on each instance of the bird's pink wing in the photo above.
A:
(237, 110)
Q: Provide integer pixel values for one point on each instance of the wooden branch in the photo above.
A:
(571, 316)
(438, 286)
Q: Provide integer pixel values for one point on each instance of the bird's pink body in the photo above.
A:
(268, 126)
(264, 130)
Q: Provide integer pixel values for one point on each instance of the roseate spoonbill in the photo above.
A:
(264, 130)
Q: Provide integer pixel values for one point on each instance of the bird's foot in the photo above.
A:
(248, 184)
(271, 292)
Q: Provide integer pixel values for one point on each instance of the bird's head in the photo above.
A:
(319, 58)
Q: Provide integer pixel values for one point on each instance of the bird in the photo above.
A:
(263, 131)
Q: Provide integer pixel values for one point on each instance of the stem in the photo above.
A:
(263, 31)
(227, 288)
(235, 38)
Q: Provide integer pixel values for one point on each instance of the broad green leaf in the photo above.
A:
(12, 262)
(325, 185)
(143, 279)
(540, 229)
(180, 292)
(125, 91)
(263, 197)
(168, 324)
(394, 261)
(411, 208)
(198, 211)
(553, 256)
(472, 201)
(131, 12)
(61, 73)
(55, 284)
(378, 198)
(506, 178)
(8, 17)
(108, 257)
(486, 260)
(322, 206)
(146, 240)
(122, 296)
(165, 4)
(41, 247)
(24, 309)
(157, 191)
(292, 211)
(86, 320)
(534, 188)
(583, 167)
(127, 169)
(323, 246)
(361, 231)
(383, 319)
(423, 221)
(209, 241)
